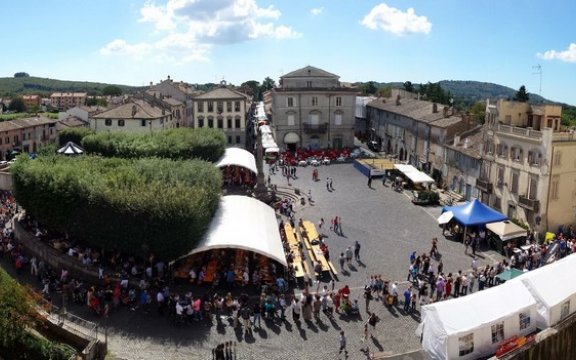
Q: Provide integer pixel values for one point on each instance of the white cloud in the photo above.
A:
(568, 55)
(317, 11)
(395, 21)
(190, 28)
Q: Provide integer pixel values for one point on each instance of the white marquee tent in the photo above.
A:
(473, 326)
(415, 175)
(244, 223)
(554, 288)
(238, 157)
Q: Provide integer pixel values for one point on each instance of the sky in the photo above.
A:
(135, 42)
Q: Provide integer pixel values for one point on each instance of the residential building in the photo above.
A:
(32, 101)
(26, 135)
(415, 131)
(63, 101)
(134, 116)
(180, 91)
(529, 164)
(226, 109)
(312, 108)
(463, 160)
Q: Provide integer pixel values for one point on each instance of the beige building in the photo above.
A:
(529, 165)
(27, 135)
(32, 101)
(311, 108)
(134, 116)
(63, 101)
(177, 90)
(226, 109)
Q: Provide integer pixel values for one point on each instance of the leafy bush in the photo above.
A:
(16, 311)
(178, 144)
(133, 205)
(74, 134)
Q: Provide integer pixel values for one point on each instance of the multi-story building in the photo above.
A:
(529, 164)
(134, 116)
(63, 101)
(226, 109)
(463, 160)
(32, 101)
(180, 91)
(312, 108)
(26, 135)
(415, 130)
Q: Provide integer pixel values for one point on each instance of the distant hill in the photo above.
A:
(469, 92)
(11, 86)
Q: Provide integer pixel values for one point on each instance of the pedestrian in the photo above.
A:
(372, 321)
(332, 220)
(349, 256)
(367, 297)
(257, 310)
(365, 337)
(331, 187)
(343, 344)
(357, 250)
(245, 314)
(407, 297)
(328, 183)
(342, 260)
(434, 250)
(370, 181)
(320, 223)
(309, 195)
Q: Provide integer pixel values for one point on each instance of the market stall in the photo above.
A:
(473, 214)
(502, 233)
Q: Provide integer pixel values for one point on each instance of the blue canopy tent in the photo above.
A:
(474, 213)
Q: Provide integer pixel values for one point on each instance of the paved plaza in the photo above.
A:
(387, 225)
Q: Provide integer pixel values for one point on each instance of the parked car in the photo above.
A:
(302, 163)
(341, 158)
(326, 161)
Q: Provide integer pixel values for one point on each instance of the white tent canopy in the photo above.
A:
(506, 230)
(70, 148)
(415, 175)
(238, 157)
(244, 223)
(554, 288)
(473, 326)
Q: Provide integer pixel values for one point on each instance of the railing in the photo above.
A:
(484, 184)
(514, 130)
(315, 129)
(530, 204)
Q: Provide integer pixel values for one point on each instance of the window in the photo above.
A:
(210, 123)
(497, 333)
(532, 186)
(210, 106)
(314, 119)
(229, 139)
(220, 107)
(565, 310)
(108, 122)
(514, 180)
(314, 101)
(557, 158)
(516, 153)
(290, 102)
(554, 185)
(524, 319)
(290, 119)
(238, 139)
(466, 344)
(309, 84)
(200, 106)
(229, 106)
(220, 123)
(201, 122)
(338, 119)
(237, 123)
(338, 101)
(121, 122)
(236, 106)
(229, 123)
(500, 176)
(511, 211)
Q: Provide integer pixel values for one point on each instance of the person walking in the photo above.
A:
(342, 260)
(331, 185)
(370, 181)
(328, 183)
(357, 251)
(367, 297)
(407, 297)
(349, 256)
(343, 344)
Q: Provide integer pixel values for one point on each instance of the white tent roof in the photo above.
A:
(239, 157)
(70, 148)
(552, 285)
(415, 175)
(443, 322)
(244, 223)
(506, 230)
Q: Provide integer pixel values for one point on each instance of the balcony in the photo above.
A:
(315, 129)
(484, 185)
(528, 203)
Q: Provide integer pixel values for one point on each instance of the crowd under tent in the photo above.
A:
(238, 157)
(554, 288)
(473, 326)
(415, 175)
(474, 213)
(504, 232)
(242, 222)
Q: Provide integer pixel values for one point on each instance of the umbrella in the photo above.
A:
(445, 217)
(549, 237)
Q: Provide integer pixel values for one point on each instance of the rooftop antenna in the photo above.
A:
(538, 72)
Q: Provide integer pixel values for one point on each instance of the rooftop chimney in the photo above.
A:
(398, 103)
(434, 108)
(456, 140)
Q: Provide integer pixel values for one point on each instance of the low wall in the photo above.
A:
(5, 180)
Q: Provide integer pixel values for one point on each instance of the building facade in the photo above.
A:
(32, 102)
(134, 116)
(226, 109)
(180, 91)
(63, 101)
(27, 135)
(529, 165)
(463, 160)
(311, 108)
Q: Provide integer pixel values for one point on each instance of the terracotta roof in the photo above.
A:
(68, 94)
(418, 110)
(125, 111)
(309, 71)
(72, 121)
(25, 123)
(470, 143)
(222, 93)
(172, 101)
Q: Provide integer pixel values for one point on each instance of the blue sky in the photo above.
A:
(198, 41)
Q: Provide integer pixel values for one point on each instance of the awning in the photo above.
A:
(415, 175)
(509, 274)
(445, 217)
(244, 223)
(272, 150)
(291, 138)
(506, 230)
(238, 157)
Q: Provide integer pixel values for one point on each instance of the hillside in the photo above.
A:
(472, 91)
(11, 86)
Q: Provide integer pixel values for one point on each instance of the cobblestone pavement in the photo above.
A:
(388, 226)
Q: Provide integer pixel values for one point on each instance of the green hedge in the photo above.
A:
(73, 134)
(133, 205)
(16, 311)
(178, 144)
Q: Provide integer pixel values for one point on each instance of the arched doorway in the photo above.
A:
(314, 143)
(291, 140)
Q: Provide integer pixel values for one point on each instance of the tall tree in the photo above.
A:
(111, 90)
(522, 95)
(17, 105)
(267, 84)
(251, 87)
(408, 86)
(369, 88)
(478, 111)
(21, 74)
